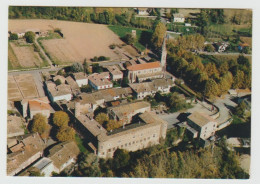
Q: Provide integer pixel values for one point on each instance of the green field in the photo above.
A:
(142, 35)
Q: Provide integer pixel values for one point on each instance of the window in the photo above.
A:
(126, 145)
(153, 135)
(133, 142)
(109, 150)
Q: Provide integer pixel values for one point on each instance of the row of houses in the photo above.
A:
(28, 150)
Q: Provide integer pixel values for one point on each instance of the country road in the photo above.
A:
(223, 53)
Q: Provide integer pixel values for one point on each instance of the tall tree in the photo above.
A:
(211, 88)
(158, 35)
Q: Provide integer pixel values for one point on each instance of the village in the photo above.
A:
(122, 100)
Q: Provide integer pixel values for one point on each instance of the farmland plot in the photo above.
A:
(23, 56)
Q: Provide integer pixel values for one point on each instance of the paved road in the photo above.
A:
(223, 53)
(224, 104)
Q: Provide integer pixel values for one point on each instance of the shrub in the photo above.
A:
(13, 36)
(112, 46)
(29, 37)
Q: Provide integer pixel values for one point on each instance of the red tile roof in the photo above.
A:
(144, 66)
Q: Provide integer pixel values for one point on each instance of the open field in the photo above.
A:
(21, 87)
(60, 51)
(88, 40)
(143, 36)
(23, 56)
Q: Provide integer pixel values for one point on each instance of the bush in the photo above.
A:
(129, 39)
(209, 48)
(29, 37)
(36, 48)
(57, 82)
(103, 58)
(112, 46)
(13, 36)
(86, 89)
(76, 67)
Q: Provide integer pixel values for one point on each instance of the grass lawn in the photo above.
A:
(142, 35)
(79, 142)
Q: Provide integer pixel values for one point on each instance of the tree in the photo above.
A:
(96, 68)
(121, 158)
(113, 124)
(60, 119)
(29, 36)
(76, 67)
(86, 88)
(242, 60)
(39, 123)
(129, 39)
(13, 36)
(101, 118)
(240, 109)
(125, 82)
(176, 102)
(57, 82)
(65, 134)
(238, 79)
(158, 35)
(211, 69)
(85, 66)
(209, 48)
(211, 88)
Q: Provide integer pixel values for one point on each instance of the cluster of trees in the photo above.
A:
(212, 78)
(110, 124)
(190, 42)
(111, 16)
(100, 58)
(159, 162)
(60, 121)
(64, 132)
(208, 16)
(174, 101)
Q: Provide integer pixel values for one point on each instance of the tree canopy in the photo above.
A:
(39, 123)
(158, 35)
(101, 118)
(29, 36)
(65, 134)
(60, 119)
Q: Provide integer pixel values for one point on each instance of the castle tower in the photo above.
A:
(164, 54)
